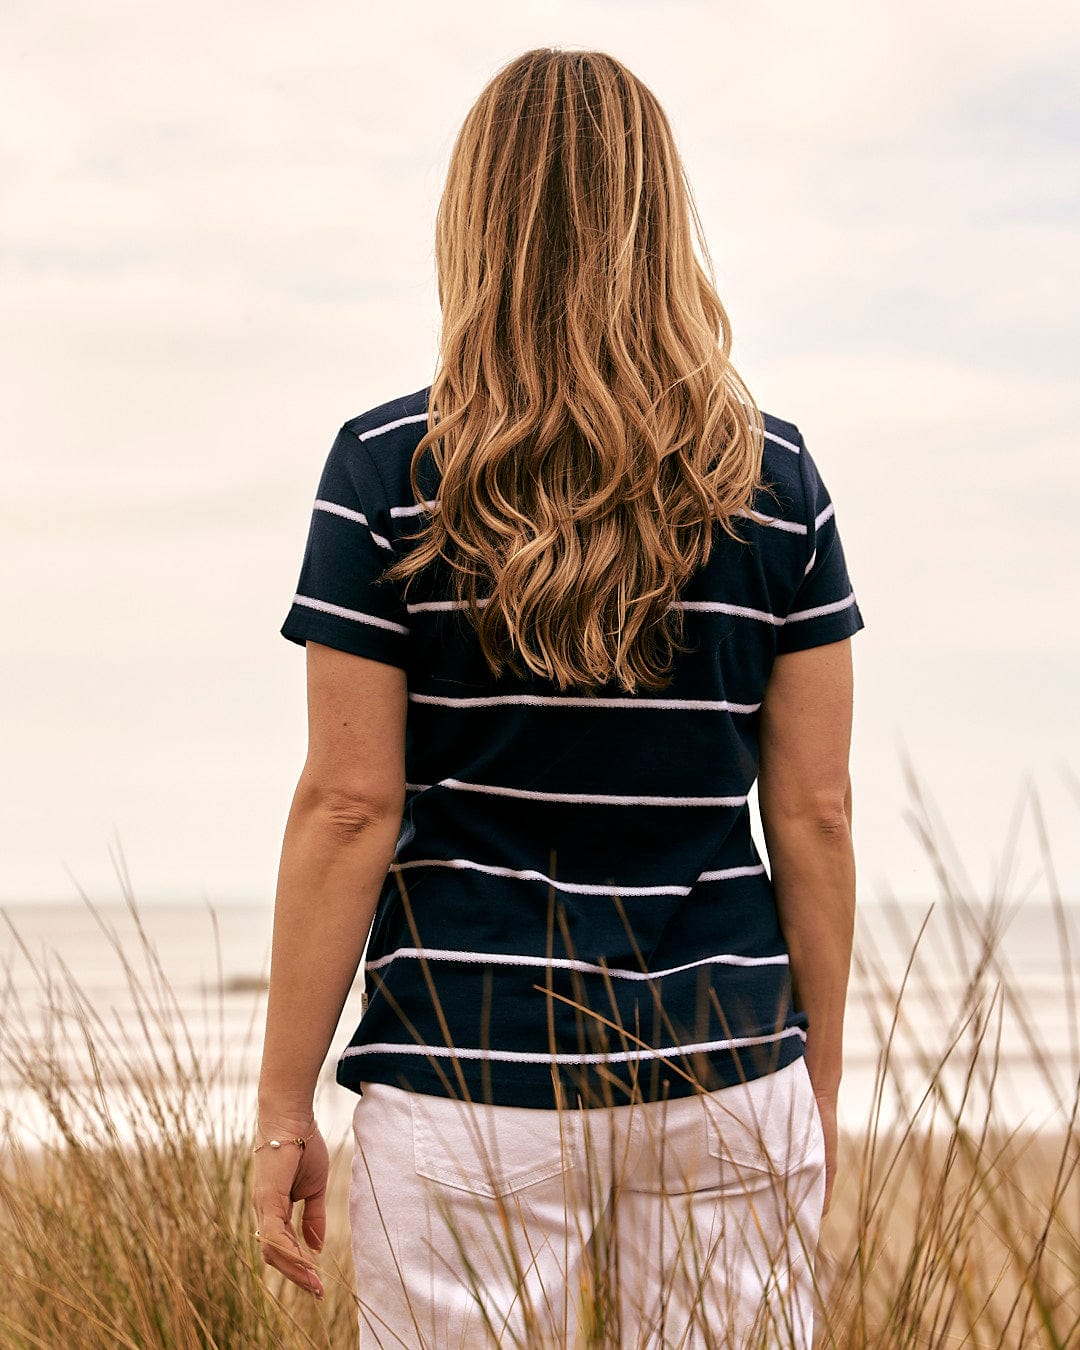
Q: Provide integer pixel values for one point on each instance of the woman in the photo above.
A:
(608, 592)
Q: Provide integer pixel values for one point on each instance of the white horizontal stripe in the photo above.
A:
(391, 426)
(529, 874)
(706, 606)
(714, 606)
(574, 887)
(566, 963)
(419, 417)
(809, 565)
(792, 526)
(726, 873)
(818, 610)
(568, 701)
(585, 798)
(442, 604)
(721, 607)
(353, 614)
(779, 440)
(541, 1057)
(334, 509)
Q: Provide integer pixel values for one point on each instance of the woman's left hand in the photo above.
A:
(282, 1176)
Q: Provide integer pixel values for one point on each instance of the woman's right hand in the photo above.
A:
(283, 1176)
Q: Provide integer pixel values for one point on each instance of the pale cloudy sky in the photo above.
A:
(215, 247)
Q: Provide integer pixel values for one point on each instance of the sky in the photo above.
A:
(216, 247)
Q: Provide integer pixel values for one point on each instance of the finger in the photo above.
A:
(313, 1224)
(284, 1258)
(285, 1255)
(280, 1247)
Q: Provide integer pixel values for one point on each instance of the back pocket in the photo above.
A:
(767, 1124)
(490, 1150)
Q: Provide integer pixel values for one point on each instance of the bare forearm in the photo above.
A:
(329, 880)
(813, 872)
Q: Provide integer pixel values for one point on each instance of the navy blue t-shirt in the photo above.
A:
(576, 910)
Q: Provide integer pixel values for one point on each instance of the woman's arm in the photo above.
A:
(334, 860)
(804, 792)
(339, 842)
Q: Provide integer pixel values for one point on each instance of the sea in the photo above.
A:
(956, 1012)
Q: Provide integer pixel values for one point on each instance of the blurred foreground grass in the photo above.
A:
(137, 1229)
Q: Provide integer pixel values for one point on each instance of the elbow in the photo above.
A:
(348, 818)
(830, 810)
(347, 814)
(831, 824)
(824, 815)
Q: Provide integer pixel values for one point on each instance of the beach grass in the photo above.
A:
(134, 1227)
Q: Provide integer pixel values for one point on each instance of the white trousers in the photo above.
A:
(475, 1225)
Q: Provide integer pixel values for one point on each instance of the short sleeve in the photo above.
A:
(824, 608)
(341, 598)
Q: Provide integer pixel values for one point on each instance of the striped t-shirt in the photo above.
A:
(576, 910)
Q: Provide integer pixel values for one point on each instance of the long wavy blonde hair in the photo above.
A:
(586, 422)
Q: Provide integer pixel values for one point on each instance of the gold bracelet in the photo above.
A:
(295, 1139)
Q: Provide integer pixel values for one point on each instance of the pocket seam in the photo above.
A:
(432, 1158)
(743, 1149)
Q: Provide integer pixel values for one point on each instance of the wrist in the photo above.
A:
(825, 1080)
(825, 1091)
(285, 1131)
(276, 1113)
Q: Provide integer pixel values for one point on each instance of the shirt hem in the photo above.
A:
(538, 1086)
